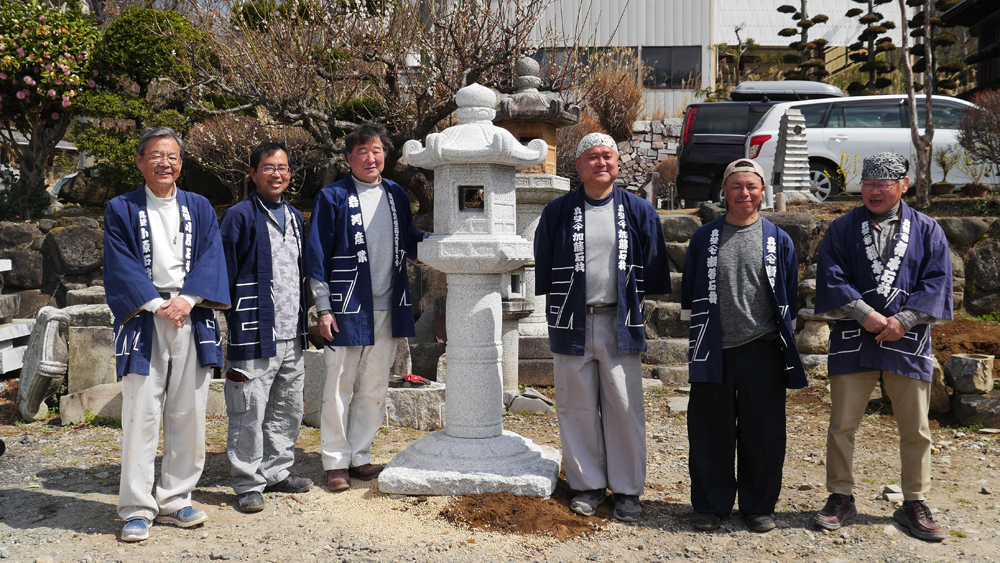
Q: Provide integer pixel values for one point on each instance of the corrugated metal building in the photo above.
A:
(674, 37)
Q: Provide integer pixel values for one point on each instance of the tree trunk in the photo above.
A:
(922, 143)
(27, 197)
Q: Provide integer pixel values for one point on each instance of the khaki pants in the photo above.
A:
(602, 422)
(910, 402)
(177, 386)
(357, 380)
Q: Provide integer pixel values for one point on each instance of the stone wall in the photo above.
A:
(652, 142)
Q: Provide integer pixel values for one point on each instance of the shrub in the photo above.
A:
(569, 138)
(614, 92)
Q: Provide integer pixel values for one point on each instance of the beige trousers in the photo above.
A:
(602, 422)
(357, 379)
(177, 386)
(910, 403)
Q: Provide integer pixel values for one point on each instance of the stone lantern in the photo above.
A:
(475, 242)
(529, 115)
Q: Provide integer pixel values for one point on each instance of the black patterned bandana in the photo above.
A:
(885, 166)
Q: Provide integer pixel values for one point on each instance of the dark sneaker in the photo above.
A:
(183, 518)
(250, 501)
(839, 508)
(705, 521)
(627, 508)
(290, 484)
(916, 517)
(135, 529)
(366, 472)
(760, 522)
(337, 480)
(586, 502)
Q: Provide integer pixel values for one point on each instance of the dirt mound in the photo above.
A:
(964, 336)
(504, 512)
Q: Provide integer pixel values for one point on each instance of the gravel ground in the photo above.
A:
(58, 490)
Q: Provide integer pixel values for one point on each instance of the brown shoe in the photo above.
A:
(337, 480)
(366, 472)
(837, 510)
(916, 517)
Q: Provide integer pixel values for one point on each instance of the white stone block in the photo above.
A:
(5, 265)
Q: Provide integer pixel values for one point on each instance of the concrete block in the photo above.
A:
(216, 398)
(91, 357)
(315, 380)
(416, 407)
(89, 315)
(103, 400)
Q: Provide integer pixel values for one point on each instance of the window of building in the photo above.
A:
(671, 67)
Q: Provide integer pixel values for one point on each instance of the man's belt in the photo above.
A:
(601, 309)
(166, 295)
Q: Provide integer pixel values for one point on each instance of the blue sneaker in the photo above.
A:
(135, 529)
(183, 518)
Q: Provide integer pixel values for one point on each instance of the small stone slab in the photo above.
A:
(5, 265)
(103, 400)
(650, 384)
(530, 405)
(421, 408)
(678, 404)
(17, 329)
(989, 431)
(93, 295)
(536, 394)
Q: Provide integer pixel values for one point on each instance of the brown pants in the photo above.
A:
(910, 402)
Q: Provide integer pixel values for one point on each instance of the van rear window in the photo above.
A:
(720, 119)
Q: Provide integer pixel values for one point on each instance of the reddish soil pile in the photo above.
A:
(964, 336)
(504, 512)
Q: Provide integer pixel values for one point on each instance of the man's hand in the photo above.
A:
(327, 325)
(175, 310)
(894, 330)
(874, 322)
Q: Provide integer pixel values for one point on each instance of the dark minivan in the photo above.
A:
(713, 134)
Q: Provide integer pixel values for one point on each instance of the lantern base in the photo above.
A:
(439, 464)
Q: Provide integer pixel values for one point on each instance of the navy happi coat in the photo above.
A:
(337, 253)
(247, 245)
(560, 269)
(917, 276)
(128, 277)
(700, 306)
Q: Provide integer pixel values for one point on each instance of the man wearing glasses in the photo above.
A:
(164, 274)
(262, 239)
(887, 270)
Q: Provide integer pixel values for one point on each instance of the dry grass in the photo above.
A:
(615, 93)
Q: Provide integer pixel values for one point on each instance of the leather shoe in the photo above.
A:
(838, 509)
(705, 521)
(916, 517)
(290, 484)
(337, 480)
(366, 472)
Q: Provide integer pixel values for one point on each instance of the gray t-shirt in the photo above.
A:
(744, 299)
(601, 241)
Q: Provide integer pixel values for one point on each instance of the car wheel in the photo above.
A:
(718, 196)
(824, 180)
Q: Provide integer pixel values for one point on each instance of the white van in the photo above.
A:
(842, 133)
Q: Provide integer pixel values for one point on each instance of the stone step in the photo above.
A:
(535, 372)
(666, 352)
(666, 374)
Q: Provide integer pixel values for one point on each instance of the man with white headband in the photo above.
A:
(598, 251)
(739, 292)
(886, 269)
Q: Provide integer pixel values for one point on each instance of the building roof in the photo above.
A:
(20, 139)
(970, 12)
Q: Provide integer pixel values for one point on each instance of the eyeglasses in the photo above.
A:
(157, 157)
(881, 186)
(270, 169)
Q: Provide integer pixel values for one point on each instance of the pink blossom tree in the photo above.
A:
(44, 65)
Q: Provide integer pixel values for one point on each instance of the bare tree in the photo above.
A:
(922, 143)
(326, 65)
